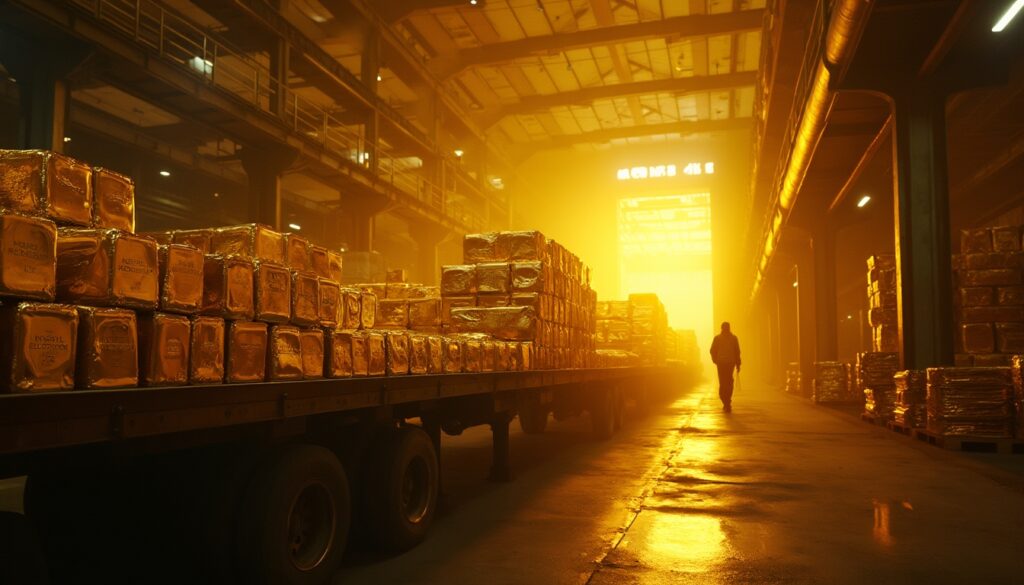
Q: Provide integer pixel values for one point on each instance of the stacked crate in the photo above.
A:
(830, 382)
(613, 325)
(970, 402)
(990, 296)
(911, 398)
(794, 378)
(875, 371)
(648, 327)
(882, 313)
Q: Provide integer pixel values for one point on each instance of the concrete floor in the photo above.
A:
(779, 491)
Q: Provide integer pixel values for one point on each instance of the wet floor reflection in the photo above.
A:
(688, 543)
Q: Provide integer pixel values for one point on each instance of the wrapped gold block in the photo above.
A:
(284, 358)
(451, 355)
(524, 245)
(338, 350)
(375, 353)
(526, 355)
(419, 354)
(478, 248)
(164, 344)
(28, 257)
(246, 352)
(435, 354)
(396, 353)
(505, 363)
(38, 181)
(532, 300)
(472, 355)
(329, 303)
(378, 290)
(228, 287)
(424, 313)
(273, 292)
(367, 310)
(318, 261)
(397, 290)
(161, 238)
(449, 303)
(296, 250)
(181, 279)
(334, 266)
(206, 364)
(199, 239)
(38, 343)
(113, 200)
(360, 354)
(396, 275)
(392, 314)
(528, 277)
(311, 342)
(351, 308)
(305, 299)
(424, 292)
(108, 349)
(253, 241)
(458, 280)
(508, 323)
(107, 267)
(493, 300)
(488, 355)
(494, 277)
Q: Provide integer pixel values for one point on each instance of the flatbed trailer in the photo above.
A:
(294, 464)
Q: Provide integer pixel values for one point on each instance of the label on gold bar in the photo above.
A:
(392, 314)
(39, 342)
(305, 298)
(351, 299)
(319, 262)
(435, 357)
(360, 355)
(375, 354)
(296, 250)
(311, 343)
(396, 353)
(108, 348)
(181, 279)
(206, 364)
(164, 345)
(252, 241)
(135, 280)
(284, 359)
(367, 310)
(339, 354)
(28, 257)
(21, 180)
(114, 200)
(419, 356)
(451, 355)
(329, 303)
(273, 292)
(246, 352)
(68, 195)
(334, 261)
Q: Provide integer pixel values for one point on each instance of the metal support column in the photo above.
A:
(369, 74)
(806, 317)
(264, 169)
(427, 238)
(823, 246)
(501, 468)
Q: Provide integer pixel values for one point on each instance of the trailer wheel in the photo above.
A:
(23, 560)
(294, 518)
(401, 489)
(533, 420)
(602, 414)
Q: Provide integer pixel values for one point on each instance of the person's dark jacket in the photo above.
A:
(725, 349)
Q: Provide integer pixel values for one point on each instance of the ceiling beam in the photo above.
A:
(675, 27)
(394, 11)
(587, 96)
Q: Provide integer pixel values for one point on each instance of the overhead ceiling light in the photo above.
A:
(165, 173)
(867, 198)
(795, 284)
(295, 226)
(379, 78)
(1007, 16)
(472, 2)
(67, 139)
(458, 153)
(216, 195)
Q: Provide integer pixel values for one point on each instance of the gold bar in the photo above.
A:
(449, 303)
(253, 241)
(113, 200)
(378, 290)
(424, 292)
(39, 181)
(494, 277)
(472, 355)
(435, 354)
(419, 354)
(305, 300)
(367, 310)
(319, 263)
(451, 355)
(392, 314)
(28, 257)
(296, 250)
(311, 343)
(181, 279)
(38, 346)
(488, 355)
(161, 238)
(458, 280)
(330, 303)
(284, 358)
(200, 239)
(375, 353)
(108, 349)
(164, 343)
(477, 248)
(206, 364)
(397, 290)
(396, 353)
(335, 265)
(395, 276)
(508, 323)
(351, 299)
(528, 277)
(505, 363)
(339, 353)
(273, 292)
(246, 352)
(228, 287)
(522, 245)
(493, 300)
(360, 354)
(107, 267)
(425, 313)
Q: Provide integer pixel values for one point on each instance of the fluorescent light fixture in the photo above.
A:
(849, 317)
(1007, 16)
(472, 2)
(67, 139)
(459, 152)
(295, 226)
(867, 198)
(165, 173)
(795, 284)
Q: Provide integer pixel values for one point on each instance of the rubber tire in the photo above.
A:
(23, 560)
(262, 554)
(387, 462)
(602, 414)
(533, 420)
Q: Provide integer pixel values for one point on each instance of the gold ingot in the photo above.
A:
(449, 303)
(253, 241)
(451, 355)
(488, 351)
(108, 349)
(397, 290)
(228, 287)
(523, 245)
(199, 239)
(435, 351)
(206, 363)
(367, 310)
(507, 323)
(305, 300)
(38, 181)
(360, 354)
(472, 355)
(28, 257)
(352, 308)
(273, 286)
(392, 314)
(164, 345)
(424, 313)
(458, 280)
(284, 358)
(319, 262)
(378, 290)
(477, 248)
(375, 354)
(339, 353)
(161, 238)
(505, 363)
(528, 277)
(494, 277)
(39, 342)
(246, 352)
(330, 303)
(296, 250)
(396, 353)
(107, 267)
(113, 200)
(493, 300)
(532, 300)
(334, 261)
(419, 354)
(311, 344)
(181, 279)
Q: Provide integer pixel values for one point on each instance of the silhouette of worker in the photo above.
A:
(725, 353)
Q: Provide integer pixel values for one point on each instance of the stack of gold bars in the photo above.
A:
(612, 337)
(911, 394)
(794, 379)
(970, 402)
(875, 371)
(681, 346)
(829, 382)
(882, 316)
(648, 327)
(990, 296)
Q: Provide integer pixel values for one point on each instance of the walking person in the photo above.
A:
(725, 353)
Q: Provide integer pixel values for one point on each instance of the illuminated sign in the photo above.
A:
(661, 171)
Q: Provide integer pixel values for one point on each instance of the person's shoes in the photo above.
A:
(727, 408)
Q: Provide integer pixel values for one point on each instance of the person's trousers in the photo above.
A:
(725, 382)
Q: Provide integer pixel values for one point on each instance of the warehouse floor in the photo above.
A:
(780, 491)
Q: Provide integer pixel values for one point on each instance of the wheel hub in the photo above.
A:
(312, 525)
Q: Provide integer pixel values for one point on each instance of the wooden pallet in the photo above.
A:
(870, 418)
(971, 444)
(900, 428)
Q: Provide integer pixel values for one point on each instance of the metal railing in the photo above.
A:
(218, 64)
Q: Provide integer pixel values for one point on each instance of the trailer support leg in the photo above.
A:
(501, 470)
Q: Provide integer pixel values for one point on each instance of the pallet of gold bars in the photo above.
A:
(1001, 445)
(869, 418)
(901, 428)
